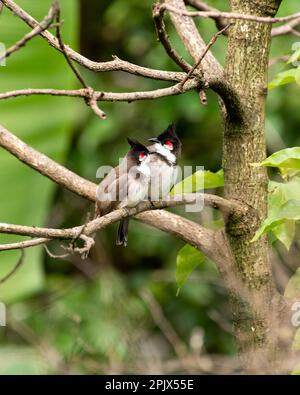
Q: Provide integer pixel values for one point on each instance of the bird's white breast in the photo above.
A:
(160, 149)
(163, 177)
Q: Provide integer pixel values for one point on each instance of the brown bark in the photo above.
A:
(244, 143)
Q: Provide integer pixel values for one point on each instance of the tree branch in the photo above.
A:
(114, 65)
(221, 22)
(63, 49)
(21, 245)
(114, 216)
(195, 45)
(212, 71)
(206, 49)
(106, 96)
(164, 38)
(169, 222)
(286, 29)
(40, 27)
(201, 6)
(15, 268)
(229, 15)
(87, 189)
(90, 99)
(189, 231)
(210, 67)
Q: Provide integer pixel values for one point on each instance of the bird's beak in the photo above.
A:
(154, 140)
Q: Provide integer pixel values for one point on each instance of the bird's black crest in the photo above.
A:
(136, 145)
(168, 133)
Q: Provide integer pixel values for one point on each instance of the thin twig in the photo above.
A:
(206, 49)
(43, 25)
(23, 244)
(164, 38)
(91, 97)
(222, 22)
(202, 6)
(15, 268)
(92, 102)
(295, 32)
(115, 65)
(164, 325)
(277, 59)
(81, 232)
(213, 71)
(54, 256)
(286, 29)
(89, 242)
(231, 15)
(202, 96)
(105, 96)
(62, 47)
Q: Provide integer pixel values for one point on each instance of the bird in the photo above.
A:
(125, 186)
(164, 154)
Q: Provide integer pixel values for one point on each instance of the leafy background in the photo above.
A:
(108, 314)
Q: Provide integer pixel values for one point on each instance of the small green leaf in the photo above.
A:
(188, 259)
(285, 77)
(285, 232)
(286, 158)
(289, 211)
(202, 179)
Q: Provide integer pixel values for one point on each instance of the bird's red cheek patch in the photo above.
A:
(141, 156)
(169, 144)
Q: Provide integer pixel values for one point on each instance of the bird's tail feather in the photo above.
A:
(122, 236)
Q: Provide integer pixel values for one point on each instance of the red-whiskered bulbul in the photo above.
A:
(125, 186)
(163, 163)
(163, 171)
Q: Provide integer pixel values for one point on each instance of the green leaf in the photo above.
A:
(286, 158)
(285, 232)
(279, 194)
(188, 259)
(288, 211)
(202, 179)
(285, 77)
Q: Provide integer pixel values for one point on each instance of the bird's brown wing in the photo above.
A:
(107, 193)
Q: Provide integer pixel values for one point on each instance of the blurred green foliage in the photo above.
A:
(68, 316)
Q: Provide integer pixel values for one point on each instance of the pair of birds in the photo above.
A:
(145, 173)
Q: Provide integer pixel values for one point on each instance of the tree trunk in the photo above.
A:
(244, 143)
